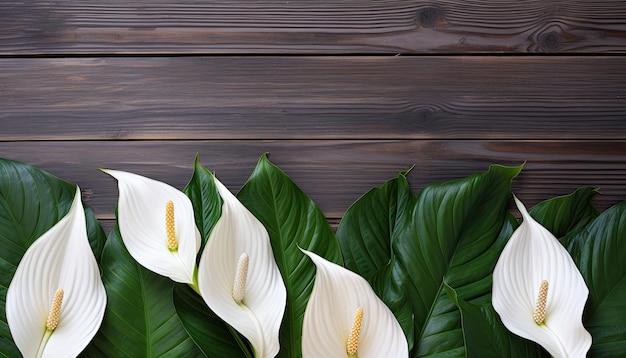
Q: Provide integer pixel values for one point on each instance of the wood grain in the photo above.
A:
(145, 85)
(313, 97)
(335, 173)
(38, 27)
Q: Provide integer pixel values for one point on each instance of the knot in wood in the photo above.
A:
(429, 16)
(423, 115)
(550, 41)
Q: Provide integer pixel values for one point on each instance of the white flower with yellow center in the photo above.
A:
(157, 226)
(539, 292)
(239, 279)
(56, 300)
(345, 318)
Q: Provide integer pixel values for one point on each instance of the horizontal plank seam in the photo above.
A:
(122, 54)
(334, 139)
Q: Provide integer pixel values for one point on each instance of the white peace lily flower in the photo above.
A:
(238, 276)
(56, 300)
(538, 291)
(345, 318)
(157, 226)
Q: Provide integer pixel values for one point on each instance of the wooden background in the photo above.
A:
(342, 94)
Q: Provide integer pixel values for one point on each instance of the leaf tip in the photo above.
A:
(514, 170)
(406, 172)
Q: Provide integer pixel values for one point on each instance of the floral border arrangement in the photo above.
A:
(203, 272)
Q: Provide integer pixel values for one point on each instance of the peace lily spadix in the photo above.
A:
(238, 276)
(538, 291)
(345, 318)
(157, 225)
(56, 300)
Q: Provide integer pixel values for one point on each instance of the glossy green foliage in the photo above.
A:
(600, 254)
(410, 247)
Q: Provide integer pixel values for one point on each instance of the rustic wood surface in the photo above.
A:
(343, 95)
(334, 173)
(356, 97)
(324, 26)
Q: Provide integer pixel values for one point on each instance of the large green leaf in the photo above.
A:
(372, 219)
(292, 220)
(140, 320)
(600, 252)
(31, 202)
(364, 236)
(565, 214)
(441, 236)
(211, 334)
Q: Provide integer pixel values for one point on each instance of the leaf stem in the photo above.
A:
(194, 284)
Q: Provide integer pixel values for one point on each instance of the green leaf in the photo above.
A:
(442, 235)
(364, 236)
(214, 337)
(209, 332)
(601, 249)
(140, 320)
(372, 220)
(453, 225)
(206, 201)
(292, 220)
(31, 202)
(564, 214)
(486, 336)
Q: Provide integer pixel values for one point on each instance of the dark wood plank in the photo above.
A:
(36, 27)
(352, 97)
(335, 173)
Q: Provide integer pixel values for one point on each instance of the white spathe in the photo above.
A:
(141, 220)
(61, 258)
(532, 255)
(258, 316)
(330, 312)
